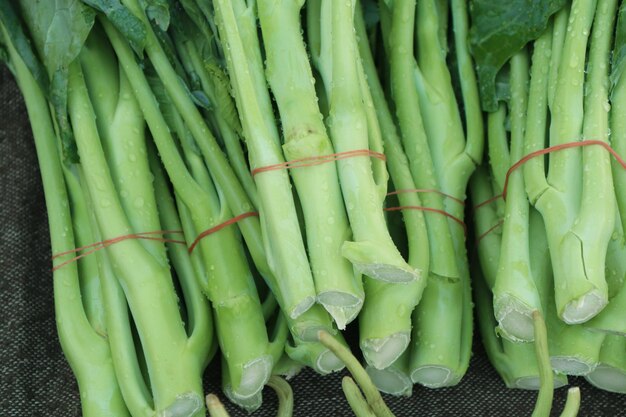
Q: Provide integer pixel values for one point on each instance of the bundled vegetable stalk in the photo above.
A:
(557, 110)
(112, 201)
(438, 162)
(118, 205)
(253, 176)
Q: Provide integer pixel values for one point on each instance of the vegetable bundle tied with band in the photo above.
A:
(244, 180)
(548, 208)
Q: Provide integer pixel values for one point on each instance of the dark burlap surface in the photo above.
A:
(35, 380)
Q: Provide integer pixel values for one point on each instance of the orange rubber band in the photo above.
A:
(428, 190)
(108, 242)
(147, 236)
(540, 152)
(547, 150)
(318, 160)
(219, 227)
(432, 210)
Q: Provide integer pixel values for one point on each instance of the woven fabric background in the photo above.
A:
(35, 379)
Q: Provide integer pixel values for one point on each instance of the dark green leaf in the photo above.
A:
(371, 15)
(201, 100)
(58, 98)
(619, 50)
(194, 13)
(70, 25)
(11, 23)
(127, 23)
(59, 29)
(158, 12)
(499, 30)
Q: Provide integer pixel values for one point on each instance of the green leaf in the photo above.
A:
(13, 27)
(158, 11)
(59, 29)
(619, 50)
(499, 30)
(225, 104)
(124, 21)
(58, 98)
(69, 27)
(194, 13)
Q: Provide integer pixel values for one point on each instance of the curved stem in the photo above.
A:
(373, 396)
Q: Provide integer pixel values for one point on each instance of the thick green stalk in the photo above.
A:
(515, 294)
(120, 335)
(487, 221)
(87, 352)
(542, 84)
(610, 374)
(516, 363)
(89, 274)
(611, 318)
(474, 135)
(414, 138)
(281, 232)
(122, 130)
(217, 163)
(339, 288)
(438, 105)
(617, 138)
(618, 142)
(199, 319)
(174, 374)
(384, 332)
(580, 189)
(574, 350)
(395, 378)
(598, 195)
(438, 359)
(498, 146)
(372, 252)
(226, 279)
(559, 30)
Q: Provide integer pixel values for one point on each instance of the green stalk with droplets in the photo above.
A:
(214, 157)
(514, 290)
(335, 55)
(87, 352)
(226, 278)
(385, 332)
(281, 231)
(438, 360)
(578, 190)
(339, 288)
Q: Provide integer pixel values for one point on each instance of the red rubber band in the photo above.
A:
(147, 236)
(428, 190)
(491, 229)
(547, 150)
(432, 210)
(108, 242)
(318, 160)
(220, 227)
(540, 152)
